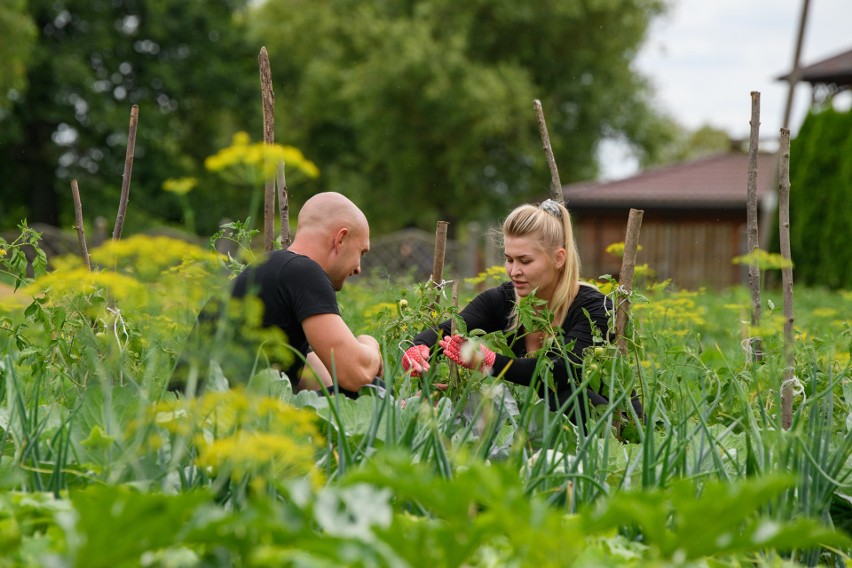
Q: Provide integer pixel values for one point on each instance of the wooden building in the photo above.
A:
(694, 219)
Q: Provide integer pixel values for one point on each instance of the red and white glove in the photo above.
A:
(415, 360)
(465, 353)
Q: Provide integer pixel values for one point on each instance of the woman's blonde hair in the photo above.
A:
(549, 225)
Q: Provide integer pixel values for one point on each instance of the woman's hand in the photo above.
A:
(468, 354)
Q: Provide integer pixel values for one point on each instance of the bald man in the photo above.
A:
(298, 289)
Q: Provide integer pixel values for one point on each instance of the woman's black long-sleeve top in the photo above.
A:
(490, 311)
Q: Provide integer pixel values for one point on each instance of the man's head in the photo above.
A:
(333, 232)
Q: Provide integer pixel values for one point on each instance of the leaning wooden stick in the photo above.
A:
(283, 206)
(786, 279)
(555, 184)
(268, 97)
(78, 218)
(128, 170)
(752, 244)
(628, 264)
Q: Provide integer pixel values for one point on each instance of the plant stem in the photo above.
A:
(283, 206)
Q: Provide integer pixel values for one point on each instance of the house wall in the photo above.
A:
(693, 249)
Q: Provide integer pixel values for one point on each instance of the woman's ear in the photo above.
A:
(559, 258)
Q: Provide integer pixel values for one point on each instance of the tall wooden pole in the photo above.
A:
(268, 97)
(751, 223)
(786, 279)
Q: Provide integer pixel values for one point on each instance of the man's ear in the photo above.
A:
(339, 237)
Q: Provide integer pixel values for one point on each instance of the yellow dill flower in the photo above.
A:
(376, 309)
(246, 453)
(244, 162)
(764, 260)
(147, 257)
(617, 249)
(824, 312)
(180, 186)
(125, 291)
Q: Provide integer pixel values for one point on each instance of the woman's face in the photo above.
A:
(530, 268)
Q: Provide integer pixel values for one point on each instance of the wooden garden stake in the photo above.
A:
(78, 217)
(268, 97)
(128, 169)
(440, 251)
(555, 184)
(751, 224)
(283, 206)
(786, 280)
(625, 285)
(454, 368)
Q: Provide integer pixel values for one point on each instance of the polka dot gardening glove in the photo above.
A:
(415, 360)
(468, 354)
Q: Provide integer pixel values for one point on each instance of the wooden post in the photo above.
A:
(454, 369)
(128, 170)
(786, 279)
(268, 97)
(555, 185)
(78, 217)
(438, 263)
(440, 251)
(628, 264)
(283, 206)
(752, 245)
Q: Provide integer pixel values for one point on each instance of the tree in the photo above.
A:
(17, 34)
(821, 198)
(682, 144)
(423, 110)
(187, 66)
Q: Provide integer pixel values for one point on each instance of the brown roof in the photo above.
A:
(836, 69)
(718, 181)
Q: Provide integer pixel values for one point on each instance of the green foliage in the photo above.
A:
(100, 465)
(820, 199)
(13, 258)
(681, 144)
(17, 35)
(186, 65)
(431, 102)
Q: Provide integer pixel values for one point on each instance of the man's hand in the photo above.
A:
(373, 346)
(415, 360)
(469, 354)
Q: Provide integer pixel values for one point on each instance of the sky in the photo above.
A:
(704, 57)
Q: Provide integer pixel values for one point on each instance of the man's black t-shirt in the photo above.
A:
(292, 288)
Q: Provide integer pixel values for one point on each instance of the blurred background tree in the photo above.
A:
(17, 35)
(186, 64)
(423, 110)
(821, 199)
(418, 109)
(680, 144)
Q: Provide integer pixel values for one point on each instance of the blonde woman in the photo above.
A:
(541, 260)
